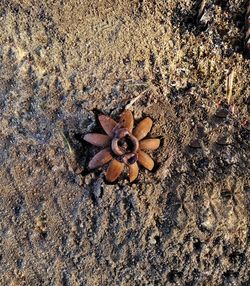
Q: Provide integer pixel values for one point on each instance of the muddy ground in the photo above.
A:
(185, 223)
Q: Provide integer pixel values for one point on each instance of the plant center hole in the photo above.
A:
(126, 144)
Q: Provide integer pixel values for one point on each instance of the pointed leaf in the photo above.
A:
(108, 124)
(99, 140)
(133, 172)
(143, 128)
(115, 169)
(150, 144)
(127, 120)
(145, 160)
(100, 159)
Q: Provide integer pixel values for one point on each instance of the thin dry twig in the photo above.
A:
(247, 37)
(72, 161)
(229, 86)
(131, 82)
(201, 10)
(129, 105)
(66, 141)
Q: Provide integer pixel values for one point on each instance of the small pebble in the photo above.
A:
(221, 113)
(195, 143)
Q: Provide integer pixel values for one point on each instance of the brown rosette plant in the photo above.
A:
(123, 146)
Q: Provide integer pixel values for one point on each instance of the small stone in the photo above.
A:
(221, 112)
(195, 143)
(246, 125)
(79, 170)
(152, 241)
(222, 140)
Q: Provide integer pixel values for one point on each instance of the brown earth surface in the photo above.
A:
(64, 62)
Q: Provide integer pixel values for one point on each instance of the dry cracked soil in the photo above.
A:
(65, 61)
